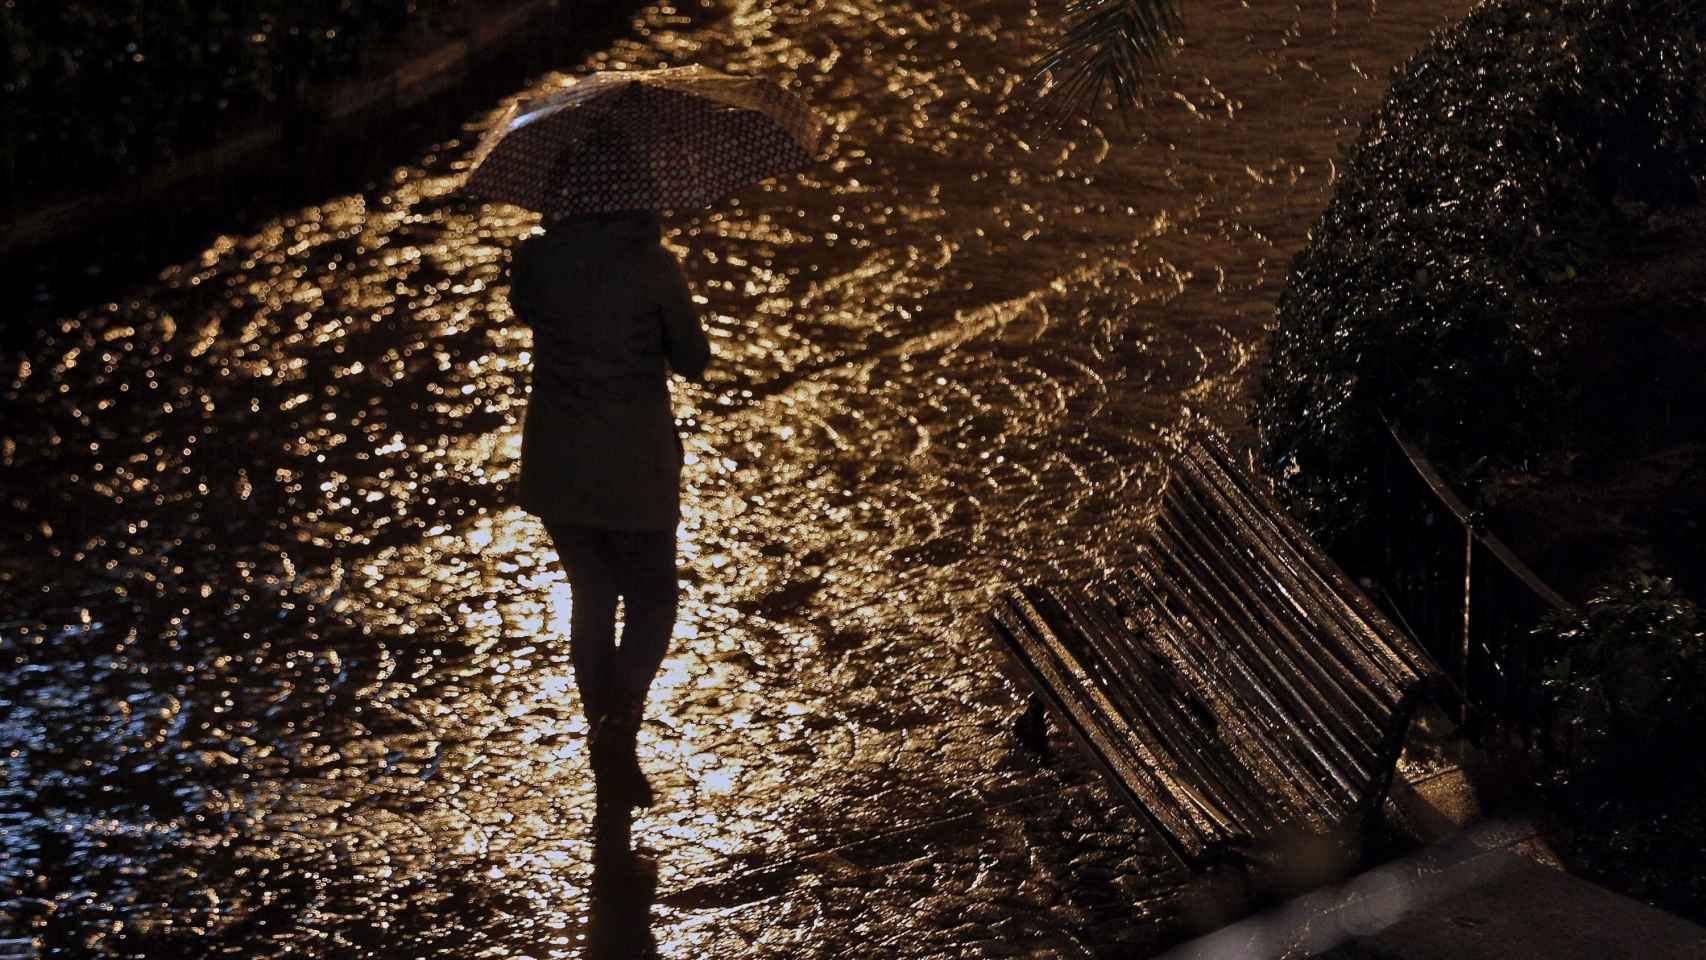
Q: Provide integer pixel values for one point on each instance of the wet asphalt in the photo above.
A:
(284, 671)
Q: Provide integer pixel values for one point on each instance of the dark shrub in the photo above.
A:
(1499, 165)
(98, 91)
(1627, 671)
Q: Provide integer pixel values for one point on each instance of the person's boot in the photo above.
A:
(615, 761)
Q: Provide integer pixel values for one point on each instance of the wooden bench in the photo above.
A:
(1233, 683)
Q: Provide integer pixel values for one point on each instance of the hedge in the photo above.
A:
(98, 91)
(1498, 166)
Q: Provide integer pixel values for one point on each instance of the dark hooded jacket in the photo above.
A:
(611, 316)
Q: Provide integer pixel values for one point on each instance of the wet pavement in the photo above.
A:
(284, 672)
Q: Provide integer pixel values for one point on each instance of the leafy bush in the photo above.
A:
(1628, 669)
(1500, 164)
(97, 91)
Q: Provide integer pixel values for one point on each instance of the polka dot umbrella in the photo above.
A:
(675, 138)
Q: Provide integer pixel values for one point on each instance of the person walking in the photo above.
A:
(601, 459)
(611, 315)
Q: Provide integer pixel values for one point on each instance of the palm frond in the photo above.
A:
(1108, 45)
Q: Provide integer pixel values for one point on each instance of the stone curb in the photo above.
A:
(1474, 895)
(404, 86)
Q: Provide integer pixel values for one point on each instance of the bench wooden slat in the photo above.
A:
(1233, 682)
(1400, 656)
(1195, 724)
(1259, 702)
(1317, 598)
(1255, 756)
(1351, 674)
(1299, 694)
(1180, 733)
(1132, 765)
(1234, 768)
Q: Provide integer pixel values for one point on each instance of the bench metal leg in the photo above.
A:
(1031, 726)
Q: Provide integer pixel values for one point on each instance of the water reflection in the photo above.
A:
(283, 669)
(619, 927)
(624, 887)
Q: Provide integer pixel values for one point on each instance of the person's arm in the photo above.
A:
(684, 342)
(524, 280)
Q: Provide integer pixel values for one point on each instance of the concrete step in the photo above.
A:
(1515, 909)
(1472, 897)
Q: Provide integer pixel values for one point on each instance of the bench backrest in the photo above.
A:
(1234, 683)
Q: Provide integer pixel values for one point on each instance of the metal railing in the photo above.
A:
(1469, 600)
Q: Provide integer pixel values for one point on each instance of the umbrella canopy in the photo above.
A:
(675, 138)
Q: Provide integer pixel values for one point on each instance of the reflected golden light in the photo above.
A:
(716, 781)
(560, 601)
(890, 396)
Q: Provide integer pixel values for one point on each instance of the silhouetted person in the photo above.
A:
(601, 463)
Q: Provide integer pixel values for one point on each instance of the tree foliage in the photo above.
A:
(1108, 47)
